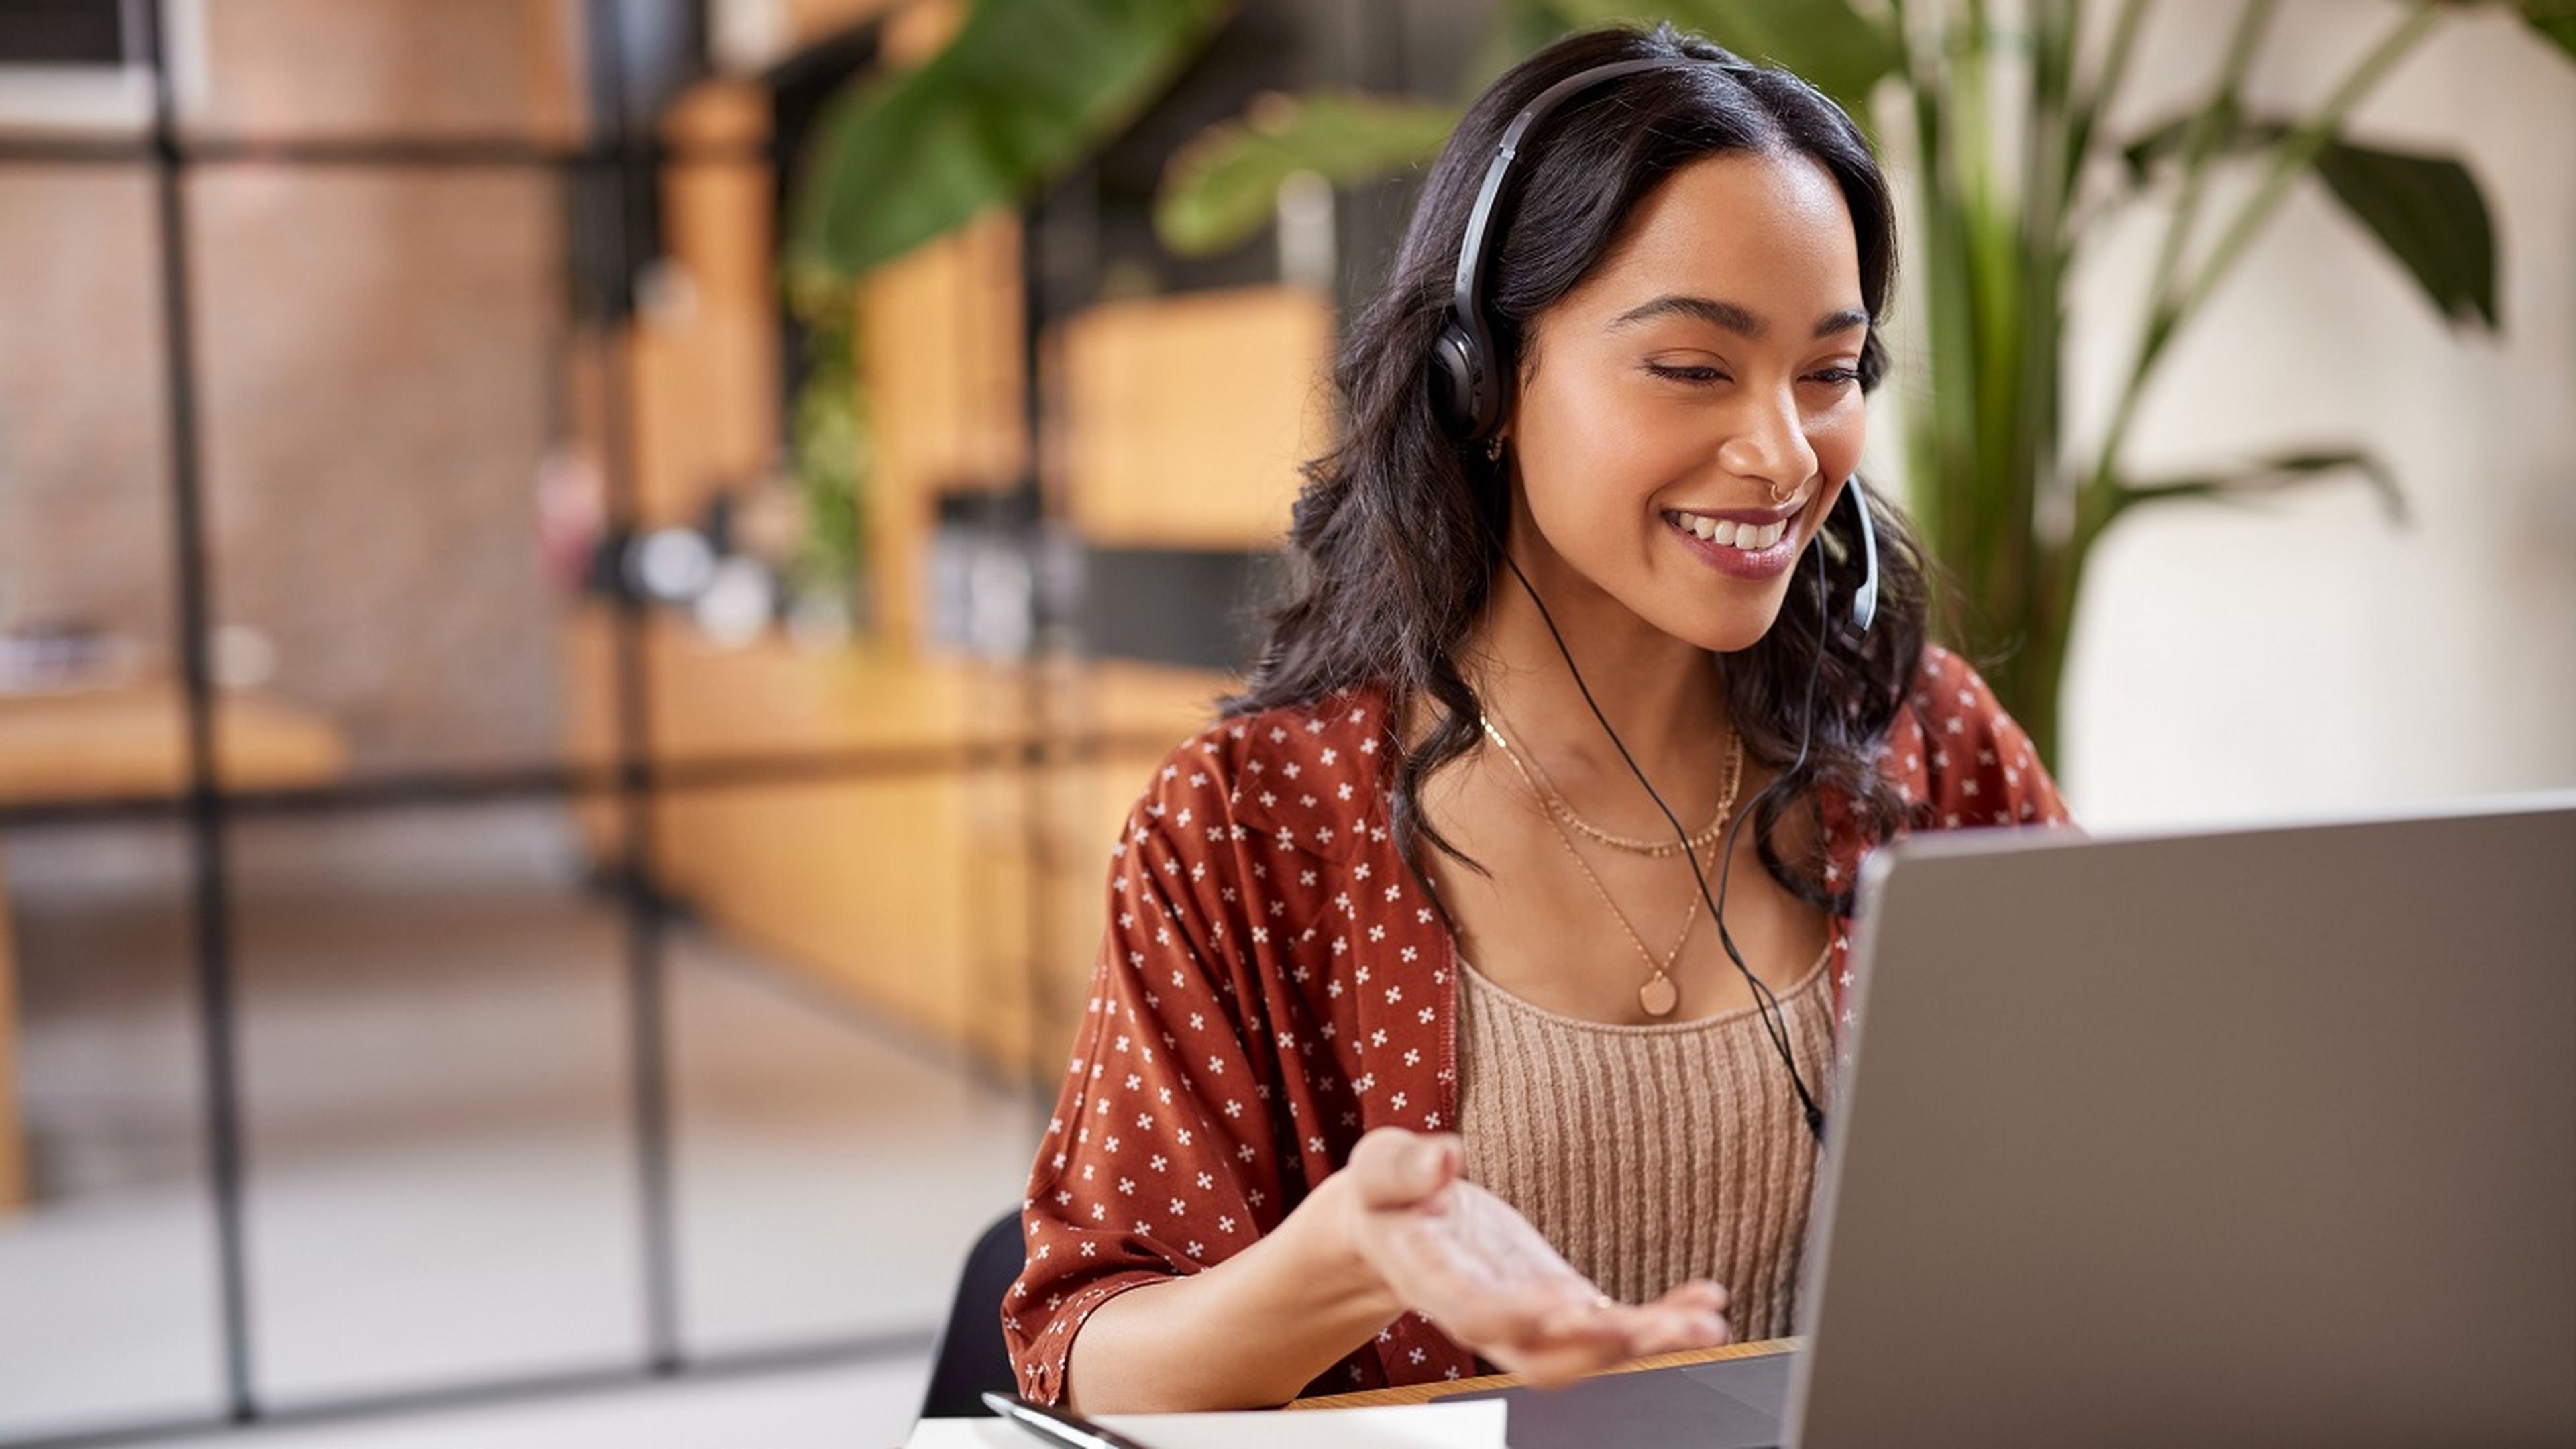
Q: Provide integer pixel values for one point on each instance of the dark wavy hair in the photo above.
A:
(1396, 535)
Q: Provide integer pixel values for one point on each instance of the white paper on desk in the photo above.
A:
(1478, 1425)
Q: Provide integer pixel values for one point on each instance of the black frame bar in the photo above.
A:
(210, 899)
(646, 927)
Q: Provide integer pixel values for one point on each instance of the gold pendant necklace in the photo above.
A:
(1660, 994)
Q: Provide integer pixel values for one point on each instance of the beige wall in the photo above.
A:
(378, 67)
(378, 362)
(84, 470)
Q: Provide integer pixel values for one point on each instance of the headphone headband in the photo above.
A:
(1467, 388)
(1465, 298)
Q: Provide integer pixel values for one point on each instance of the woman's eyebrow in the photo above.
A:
(1734, 317)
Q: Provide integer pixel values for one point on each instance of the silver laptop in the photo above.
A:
(2260, 1137)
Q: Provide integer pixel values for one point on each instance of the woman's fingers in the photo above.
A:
(1589, 1343)
(1690, 1315)
(1592, 1337)
(1703, 1293)
(1672, 1329)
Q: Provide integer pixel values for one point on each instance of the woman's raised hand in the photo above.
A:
(1462, 1258)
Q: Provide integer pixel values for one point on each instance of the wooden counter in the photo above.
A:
(129, 742)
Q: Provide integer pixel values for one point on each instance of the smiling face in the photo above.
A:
(1706, 368)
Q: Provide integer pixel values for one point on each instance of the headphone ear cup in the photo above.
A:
(1458, 385)
(1864, 604)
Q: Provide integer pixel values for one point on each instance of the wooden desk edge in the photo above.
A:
(1426, 1393)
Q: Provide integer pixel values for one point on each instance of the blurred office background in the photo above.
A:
(591, 942)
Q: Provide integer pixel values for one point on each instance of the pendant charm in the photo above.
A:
(1659, 996)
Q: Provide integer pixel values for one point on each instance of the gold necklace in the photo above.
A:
(1660, 994)
(1554, 802)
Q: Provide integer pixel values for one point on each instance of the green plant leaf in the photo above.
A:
(1835, 47)
(2267, 476)
(2426, 211)
(2554, 19)
(1222, 187)
(830, 451)
(1024, 89)
(2430, 215)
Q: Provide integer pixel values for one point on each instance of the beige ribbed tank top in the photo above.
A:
(1648, 1155)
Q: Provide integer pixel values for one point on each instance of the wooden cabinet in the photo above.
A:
(954, 888)
(1185, 419)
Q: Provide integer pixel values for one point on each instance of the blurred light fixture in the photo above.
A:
(740, 599)
(672, 565)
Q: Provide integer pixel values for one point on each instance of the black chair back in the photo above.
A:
(970, 1360)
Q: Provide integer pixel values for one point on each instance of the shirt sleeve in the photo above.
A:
(1161, 1158)
(1977, 765)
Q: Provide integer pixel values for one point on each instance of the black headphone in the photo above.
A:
(1467, 392)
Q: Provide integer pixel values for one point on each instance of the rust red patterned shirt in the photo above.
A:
(1274, 981)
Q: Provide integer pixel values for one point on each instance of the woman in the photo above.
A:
(1412, 1043)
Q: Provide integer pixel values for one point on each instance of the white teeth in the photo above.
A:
(1752, 538)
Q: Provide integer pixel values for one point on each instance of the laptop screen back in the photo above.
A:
(2263, 1137)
